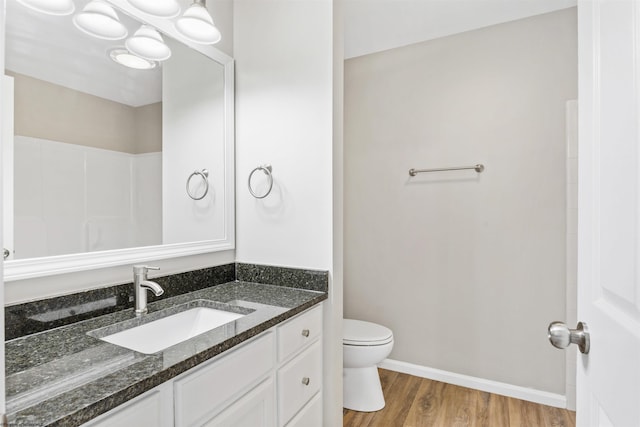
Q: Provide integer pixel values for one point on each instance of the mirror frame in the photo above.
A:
(60, 264)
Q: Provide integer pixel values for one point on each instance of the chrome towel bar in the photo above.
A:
(478, 168)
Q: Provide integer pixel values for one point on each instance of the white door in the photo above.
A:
(608, 378)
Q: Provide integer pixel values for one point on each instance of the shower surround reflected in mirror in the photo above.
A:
(101, 152)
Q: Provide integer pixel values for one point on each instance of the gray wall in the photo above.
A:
(467, 269)
(49, 111)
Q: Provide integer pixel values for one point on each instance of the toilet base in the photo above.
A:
(362, 390)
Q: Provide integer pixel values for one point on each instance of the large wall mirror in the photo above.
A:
(105, 164)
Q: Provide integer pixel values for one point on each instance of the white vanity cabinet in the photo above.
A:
(275, 379)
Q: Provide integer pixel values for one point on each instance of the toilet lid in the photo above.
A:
(358, 332)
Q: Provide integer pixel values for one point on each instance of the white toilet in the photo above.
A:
(364, 345)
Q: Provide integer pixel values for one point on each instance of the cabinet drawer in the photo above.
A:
(298, 332)
(200, 393)
(298, 381)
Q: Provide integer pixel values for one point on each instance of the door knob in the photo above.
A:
(5, 253)
(561, 336)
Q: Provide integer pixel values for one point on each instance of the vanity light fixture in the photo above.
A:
(50, 7)
(123, 57)
(99, 19)
(147, 43)
(159, 8)
(196, 24)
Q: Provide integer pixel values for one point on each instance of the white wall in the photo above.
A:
(467, 269)
(283, 52)
(222, 13)
(285, 82)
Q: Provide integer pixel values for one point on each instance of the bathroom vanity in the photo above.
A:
(277, 372)
(264, 368)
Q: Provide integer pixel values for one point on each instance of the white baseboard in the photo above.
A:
(504, 389)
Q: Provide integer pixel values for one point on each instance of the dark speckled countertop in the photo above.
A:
(67, 376)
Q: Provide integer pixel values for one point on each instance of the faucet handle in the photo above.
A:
(142, 269)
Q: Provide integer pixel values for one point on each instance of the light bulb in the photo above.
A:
(126, 58)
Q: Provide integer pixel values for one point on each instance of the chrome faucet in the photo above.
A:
(141, 285)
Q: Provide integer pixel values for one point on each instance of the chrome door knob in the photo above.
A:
(5, 253)
(561, 336)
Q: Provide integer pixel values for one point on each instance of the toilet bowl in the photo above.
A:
(364, 345)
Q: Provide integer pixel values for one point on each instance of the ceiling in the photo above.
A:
(377, 25)
(51, 48)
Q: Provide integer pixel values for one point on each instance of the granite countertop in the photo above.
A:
(67, 376)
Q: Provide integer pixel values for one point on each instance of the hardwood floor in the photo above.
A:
(419, 402)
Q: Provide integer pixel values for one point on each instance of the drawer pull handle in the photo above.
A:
(305, 332)
(306, 381)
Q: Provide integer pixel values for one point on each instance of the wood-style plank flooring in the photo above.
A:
(419, 402)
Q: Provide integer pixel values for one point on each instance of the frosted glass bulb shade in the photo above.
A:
(197, 25)
(159, 8)
(126, 58)
(50, 7)
(148, 44)
(98, 19)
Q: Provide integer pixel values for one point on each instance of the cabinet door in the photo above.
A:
(310, 415)
(205, 390)
(151, 409)
(254, 409)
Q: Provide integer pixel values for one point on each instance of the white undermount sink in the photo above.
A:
(163, 333)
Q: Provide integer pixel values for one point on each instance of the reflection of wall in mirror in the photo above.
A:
(192, 139)
(87, 171)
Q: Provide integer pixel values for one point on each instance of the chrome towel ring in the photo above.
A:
(267, 169)
(204, 174)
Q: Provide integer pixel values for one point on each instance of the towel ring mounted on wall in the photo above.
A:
(267, 169)
(204, 174)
